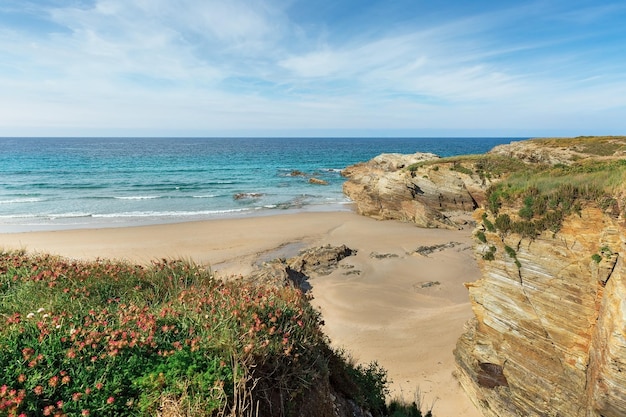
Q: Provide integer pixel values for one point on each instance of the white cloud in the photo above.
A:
(214, 65)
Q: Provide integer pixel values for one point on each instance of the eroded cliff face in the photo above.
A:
(549, 336)
(384, 189)
(549, 333)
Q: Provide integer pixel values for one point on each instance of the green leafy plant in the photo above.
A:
(488, 225)
(458, 167)
(490, 254)
(113, 339)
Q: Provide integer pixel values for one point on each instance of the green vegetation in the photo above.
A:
(399, 409)
(606, 251)
(458, 167)
(112, 339)
(485, 166)
(510, 251)
(512, 254)
(590, 145)
(490, 227)
(545, 197)
(480, 235)
(490, 255)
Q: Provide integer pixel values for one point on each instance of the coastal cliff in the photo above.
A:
(420, 188)
(548, 336)
(549, 333)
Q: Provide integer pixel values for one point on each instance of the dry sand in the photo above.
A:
(387, 303)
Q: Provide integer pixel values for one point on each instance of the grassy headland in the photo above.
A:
(532, 188)
(111, 338)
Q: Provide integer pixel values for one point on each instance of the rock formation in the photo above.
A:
(296, 270)
(549, 333)
(384, 188)
(317, 181)
(548, 338)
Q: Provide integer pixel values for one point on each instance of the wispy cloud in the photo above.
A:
(208, 66)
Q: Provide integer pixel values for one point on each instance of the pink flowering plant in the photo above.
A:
(107, 338)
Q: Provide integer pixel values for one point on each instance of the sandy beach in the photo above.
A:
(387, 303)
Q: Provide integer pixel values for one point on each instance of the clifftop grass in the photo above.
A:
(587, 145)
(486, 166)
(528, 197)
(538, 198)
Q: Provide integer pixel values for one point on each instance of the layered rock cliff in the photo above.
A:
(386, 189)
(549, 333)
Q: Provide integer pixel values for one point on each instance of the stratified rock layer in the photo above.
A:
(549, 336)
(384, 189)
(549, 333)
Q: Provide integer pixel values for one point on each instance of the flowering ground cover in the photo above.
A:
(108, 338)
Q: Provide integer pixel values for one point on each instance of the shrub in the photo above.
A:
(596, 258)
(490, 254)
(458, 167)
(480, 235)
(400, 409)
(110, 338)
(510, 251)
(606, 251)
(503, 223)
(526, 212)
(490, 227)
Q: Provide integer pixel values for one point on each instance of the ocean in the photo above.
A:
(61, 183)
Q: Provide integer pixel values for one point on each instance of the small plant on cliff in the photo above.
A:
(510, 251)
(480, 235)
(399, 409)
(606, 251)
(512, 254)
(596, 258)
(489, 255)
(503, 223)
(458, 167)
(490, 227)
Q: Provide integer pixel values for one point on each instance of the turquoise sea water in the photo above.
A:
(58, 183)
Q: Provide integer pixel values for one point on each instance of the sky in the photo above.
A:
(312, 68)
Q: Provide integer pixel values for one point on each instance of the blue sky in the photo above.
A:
(312, 67)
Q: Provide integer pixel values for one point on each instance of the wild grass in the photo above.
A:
(590, 145)
(399, 407)
(545, 197)
(485, 166)
(113, 339)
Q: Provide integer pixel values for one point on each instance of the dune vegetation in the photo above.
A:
(109, 338)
